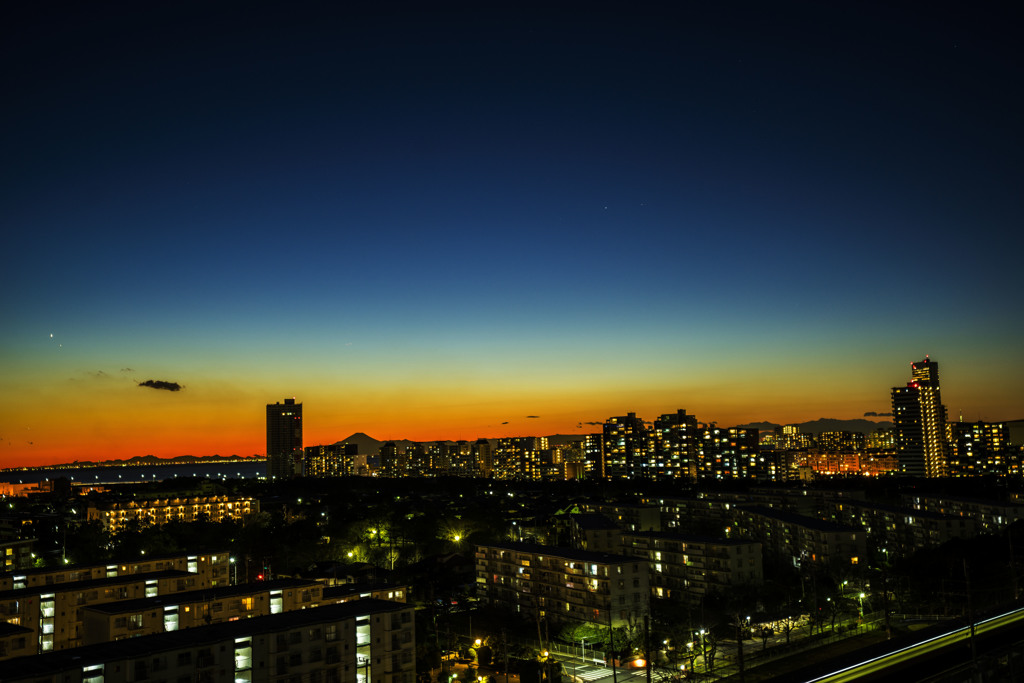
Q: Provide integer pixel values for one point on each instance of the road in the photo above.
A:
(603, 674)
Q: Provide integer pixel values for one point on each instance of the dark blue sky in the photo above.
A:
(522, 190)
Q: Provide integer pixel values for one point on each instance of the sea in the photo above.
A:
(126, 474)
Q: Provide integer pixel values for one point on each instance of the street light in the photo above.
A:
(861, 597)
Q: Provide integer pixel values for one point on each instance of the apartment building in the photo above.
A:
(689, 567)
(366, 641)
(628, 517)
(54, 613)
(116, 514)
(212, 569)
(900, 531)
(594, 532)
(798, 539)
(563, 584)
(682, 512)
(190, 609)
(16, 555)
(991, 516)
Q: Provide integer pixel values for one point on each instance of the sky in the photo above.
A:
(437, 221)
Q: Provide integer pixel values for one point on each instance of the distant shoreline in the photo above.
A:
(141, 461)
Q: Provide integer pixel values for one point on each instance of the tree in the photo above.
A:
(788, 626)
(839, 606)
(711, 644)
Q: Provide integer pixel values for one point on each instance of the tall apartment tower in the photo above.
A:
(626, 443)
(920, 422)
(284, 439)
(674, 446)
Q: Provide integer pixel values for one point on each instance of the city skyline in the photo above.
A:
(437, 224)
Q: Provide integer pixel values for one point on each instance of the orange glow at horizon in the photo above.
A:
(105, 416)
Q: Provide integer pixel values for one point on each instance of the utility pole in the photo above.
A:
(611, 646)
(739, 645)
(1013, 566)
(504, 642)
(885, 603)
(540, 638)
(647, 646)
(970, 616)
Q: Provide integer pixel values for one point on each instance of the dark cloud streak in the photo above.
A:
(161, 384)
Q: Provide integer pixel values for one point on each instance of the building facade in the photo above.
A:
(165, 613)
(798, 540)
(687, 568)
(674, 446)
(979, 448)
(626, 446)
(211, 569)
(366, 641)
(563, 584)
(284, 439)
(54, 613)
(116, 514)
(920, 422)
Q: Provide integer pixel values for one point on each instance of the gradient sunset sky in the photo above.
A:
(433, 223)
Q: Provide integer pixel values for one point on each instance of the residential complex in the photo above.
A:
(687, 568)
(172, 612)
(116, 514)
(367, 641)
(54, 613)
(797, 540)
(210, 569)
(563, 584)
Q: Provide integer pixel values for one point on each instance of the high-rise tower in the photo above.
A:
(674, 446)
(920, 422)
(284, 439)
(626, 444)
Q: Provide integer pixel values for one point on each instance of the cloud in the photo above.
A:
(532, 417)
(872, 413)
(127, 370)
(161, 384)
(593, 424)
